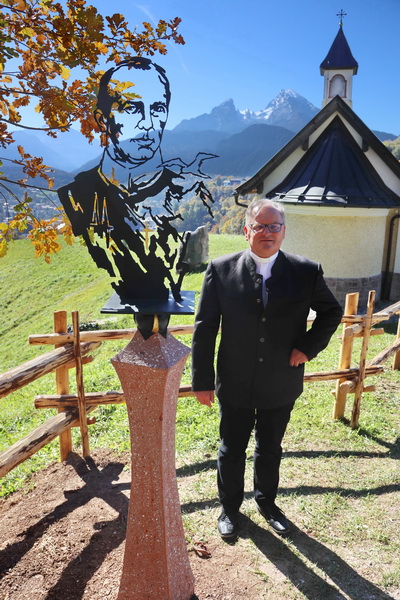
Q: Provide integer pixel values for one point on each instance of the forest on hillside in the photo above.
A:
(227, 216)
(394, 147)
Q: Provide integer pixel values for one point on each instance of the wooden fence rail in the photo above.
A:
(72, 350)
(37, 367)
(117, 397)
(37, 439)
(100, 335)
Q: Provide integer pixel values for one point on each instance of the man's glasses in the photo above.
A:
(272, 227)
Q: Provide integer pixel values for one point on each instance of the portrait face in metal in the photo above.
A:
(125, 209)
(139, 120)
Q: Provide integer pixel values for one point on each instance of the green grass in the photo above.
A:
(337, 484)
(33, 290)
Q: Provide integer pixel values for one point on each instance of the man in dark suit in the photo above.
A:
(261, 298)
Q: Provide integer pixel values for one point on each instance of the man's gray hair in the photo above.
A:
(254, 208)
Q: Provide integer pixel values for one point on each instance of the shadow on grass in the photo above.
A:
(289, 557)
(304, 490)
(394, 449)
(393, 452)
(311, 490)
(198, 467)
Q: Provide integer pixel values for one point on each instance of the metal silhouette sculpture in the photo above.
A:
(115, 205)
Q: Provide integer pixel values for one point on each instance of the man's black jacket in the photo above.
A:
(256, 341)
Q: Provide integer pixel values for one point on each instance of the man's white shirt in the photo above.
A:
(263, 268)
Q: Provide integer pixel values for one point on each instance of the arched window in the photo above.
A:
(337, 86)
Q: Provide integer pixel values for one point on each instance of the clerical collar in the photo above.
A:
(265, 261)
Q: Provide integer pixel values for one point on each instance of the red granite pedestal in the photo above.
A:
(156, 564)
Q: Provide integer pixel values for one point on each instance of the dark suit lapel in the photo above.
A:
(277, 283)
(250, 264)
(278, 267)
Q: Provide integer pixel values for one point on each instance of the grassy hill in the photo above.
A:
(31, 291)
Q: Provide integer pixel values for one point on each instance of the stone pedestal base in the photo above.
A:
(156, 564)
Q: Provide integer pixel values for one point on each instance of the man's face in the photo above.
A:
(265, 243)
(139, 122)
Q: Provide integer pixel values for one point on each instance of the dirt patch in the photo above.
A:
(64, 540)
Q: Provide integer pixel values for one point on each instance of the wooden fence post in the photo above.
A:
(80, 386)
(351, 307)
(62, 384)
(396, 358)
(363, 360)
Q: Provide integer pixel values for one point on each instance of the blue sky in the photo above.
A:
(249, 51)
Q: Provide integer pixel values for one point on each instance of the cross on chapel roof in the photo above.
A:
(341, 14)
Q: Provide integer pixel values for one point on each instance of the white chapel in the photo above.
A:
(341, 190)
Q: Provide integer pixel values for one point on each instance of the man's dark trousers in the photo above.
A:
(236, 425)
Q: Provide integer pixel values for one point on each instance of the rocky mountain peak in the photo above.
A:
(288, 109)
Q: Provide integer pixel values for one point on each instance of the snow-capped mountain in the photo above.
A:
(288, 109)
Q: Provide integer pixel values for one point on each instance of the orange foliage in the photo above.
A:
(49, 39)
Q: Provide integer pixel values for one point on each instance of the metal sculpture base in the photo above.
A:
(156, 564)
(170, 306)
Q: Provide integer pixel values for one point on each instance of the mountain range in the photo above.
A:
(243, 140)
(288, 110)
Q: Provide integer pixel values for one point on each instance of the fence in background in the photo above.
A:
(72, 351)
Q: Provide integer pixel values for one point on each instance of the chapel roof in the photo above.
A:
(334, 143)
(335, 172)
(339, 55)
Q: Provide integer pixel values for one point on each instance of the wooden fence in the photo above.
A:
(72, 350)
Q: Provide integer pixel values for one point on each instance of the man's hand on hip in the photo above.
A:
(297, 358)
(206, 398)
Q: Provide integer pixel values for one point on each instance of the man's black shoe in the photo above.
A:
(275, 518)
(228, 527)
